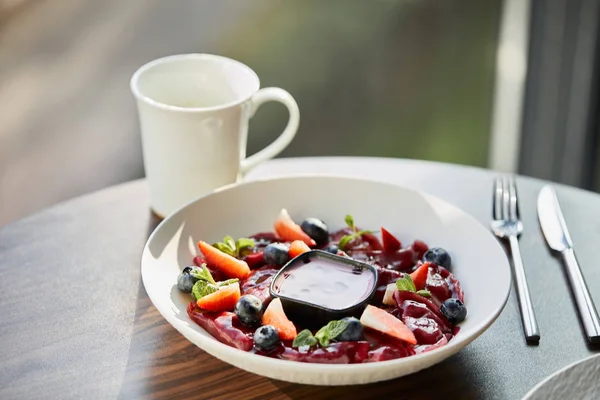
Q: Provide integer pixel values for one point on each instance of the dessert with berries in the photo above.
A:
(304, 293)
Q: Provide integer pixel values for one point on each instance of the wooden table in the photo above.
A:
(75, 320)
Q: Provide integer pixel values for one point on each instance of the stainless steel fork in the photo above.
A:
(506, 224)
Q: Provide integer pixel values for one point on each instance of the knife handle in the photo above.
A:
(585, 304)
(530, 326)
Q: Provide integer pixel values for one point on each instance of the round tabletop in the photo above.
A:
(76, 321)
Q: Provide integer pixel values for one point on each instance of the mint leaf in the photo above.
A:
(229, 242)
(330, 331)
(357, 234)
(225, 248)
(244, 242)
(337, 327)
(304, 338)
(203, 274)
(406, 284)
(227, 282)
(244, 246)
(360, 233)
(350, 222)
(323, 337)
(344, 241)
(239, 248)
(424, 293)
(203, 288)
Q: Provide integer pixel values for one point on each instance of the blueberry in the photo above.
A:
(185, 282)
(332, 248)
(353, 332)
(266, 338)
(316, 229)
(276, 253)
(248, 309)
(438, 256)
(454, 310)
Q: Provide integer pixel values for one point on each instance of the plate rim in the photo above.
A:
(241, 356)
(548, 378)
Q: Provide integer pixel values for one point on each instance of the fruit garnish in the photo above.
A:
(384, 322)
(205, 283)
(316, 229)
(276, 254)
(275, 316)
(419, 276)
(231, 266)
(289, 231)
(204, 288)
(331, 331)
(224, 299)
(297, 247)
(332, 248)
(266, 338)
(390, 243)
(186, 279)
(239, 248)
(355, 235)
(454, 310)
(353, 331)
(248, 309)
(438, 256)
(406, 283)
(304, 338)
(388, 296)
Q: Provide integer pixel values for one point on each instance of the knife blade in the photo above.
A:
(552, 220)
(557, 236)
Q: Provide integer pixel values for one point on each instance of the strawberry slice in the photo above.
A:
(384, 322)
(275, 316)
(289, 231)
(419, 276)
(297, 247)
(231, 266)
(223, 299)
(390, 243)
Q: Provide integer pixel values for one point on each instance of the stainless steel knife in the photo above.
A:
(558, 238)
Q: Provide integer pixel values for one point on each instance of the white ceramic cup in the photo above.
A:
(194, 111)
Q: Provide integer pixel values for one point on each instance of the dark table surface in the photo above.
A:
(75, 320)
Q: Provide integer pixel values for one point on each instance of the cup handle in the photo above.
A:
(259, 98)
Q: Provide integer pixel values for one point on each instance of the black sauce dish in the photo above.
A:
(305, 309)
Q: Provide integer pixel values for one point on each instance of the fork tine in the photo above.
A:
(497, 199)
(513, 207)
(505, 198)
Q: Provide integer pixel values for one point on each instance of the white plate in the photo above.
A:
(479, 261)
(577, 381)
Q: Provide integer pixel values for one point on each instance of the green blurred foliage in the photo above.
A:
(387, 78)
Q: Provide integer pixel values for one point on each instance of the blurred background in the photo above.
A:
(425, 79)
